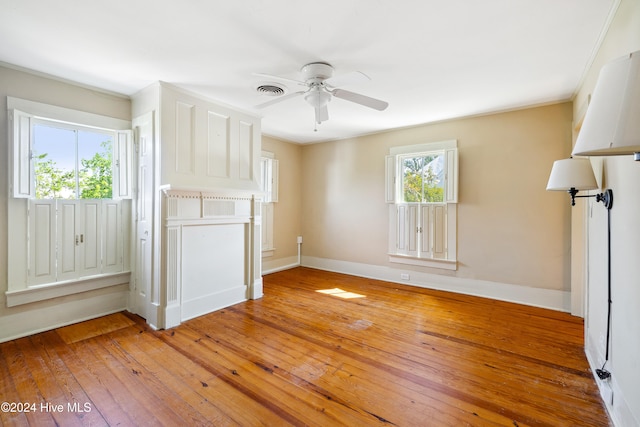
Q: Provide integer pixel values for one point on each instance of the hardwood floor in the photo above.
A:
(397, 355)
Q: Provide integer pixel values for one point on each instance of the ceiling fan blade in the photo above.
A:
(322, 114)
(351, 78)
(282, 79)
(279, 99)
(367, 101)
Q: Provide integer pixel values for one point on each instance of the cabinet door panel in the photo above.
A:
(42, 231)
(90, 238)
(112, 243)
(439, 231)
(425, 233)
(68, 239)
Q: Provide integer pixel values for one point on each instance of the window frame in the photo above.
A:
(23, 114)
(115, 232)
(401, 164)
(36, 121)
(423, 217)
(269, 186)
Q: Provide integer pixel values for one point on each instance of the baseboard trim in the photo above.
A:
(280, 264)
(544, 298)
(614, 401)
(43, 316)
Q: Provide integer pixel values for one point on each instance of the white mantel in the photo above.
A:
(212, 252)
(204, 192)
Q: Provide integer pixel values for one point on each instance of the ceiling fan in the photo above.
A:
(320, 86)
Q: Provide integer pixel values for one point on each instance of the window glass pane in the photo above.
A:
(54, 155)
(95, 174)
(72, 163)
(267, 180)
(433, 179)
(423, 178)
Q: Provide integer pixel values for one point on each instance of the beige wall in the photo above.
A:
(26, 319)
(510, 230)
(287, 211)
(622, 175)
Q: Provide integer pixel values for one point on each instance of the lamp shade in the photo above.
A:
(612, 123)
(572, 173)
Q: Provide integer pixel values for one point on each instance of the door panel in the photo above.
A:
(90, 238)
(144, 216)
(68, 240)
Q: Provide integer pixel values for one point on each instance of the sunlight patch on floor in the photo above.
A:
(337, 292)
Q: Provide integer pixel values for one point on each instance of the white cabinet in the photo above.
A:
(73, 239)
(421, 230)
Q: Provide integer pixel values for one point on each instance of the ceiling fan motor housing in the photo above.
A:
(316, 72)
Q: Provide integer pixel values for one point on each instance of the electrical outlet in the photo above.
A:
(299, 239)
(404, 276)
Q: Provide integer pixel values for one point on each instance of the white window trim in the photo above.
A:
(21, 289)
(268, 205)
(21, 180)
(393, 191)
(60, 289)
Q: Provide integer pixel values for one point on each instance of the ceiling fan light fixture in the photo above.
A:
(317, 97)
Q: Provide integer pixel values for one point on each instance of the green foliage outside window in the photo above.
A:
(95, 177)
(421, 183)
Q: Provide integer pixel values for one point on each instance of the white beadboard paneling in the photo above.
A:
(218, 145)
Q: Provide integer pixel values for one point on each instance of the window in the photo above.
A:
(71, 176)
(422, 177)
(421, 189)
(269, 171)
(61, 160)
(72, 162)
(269, 174)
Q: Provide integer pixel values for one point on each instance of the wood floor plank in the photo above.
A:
(8, 390)
(312, 369)
(397, 356)
(27, 391)
(99, 396)
(64, 389)
(218, 402)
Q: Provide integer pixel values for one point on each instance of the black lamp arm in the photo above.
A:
(605, 197)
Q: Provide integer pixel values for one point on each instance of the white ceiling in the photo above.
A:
(431, 60)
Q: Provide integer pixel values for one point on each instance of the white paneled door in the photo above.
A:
(144, 215)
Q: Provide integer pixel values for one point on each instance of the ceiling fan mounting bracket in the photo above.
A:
(316, 72)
